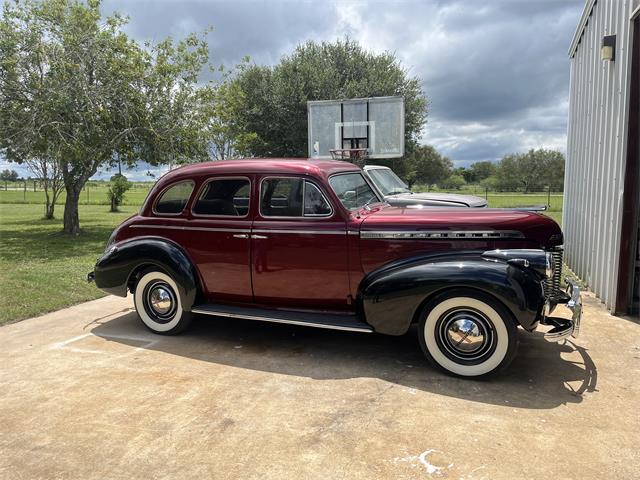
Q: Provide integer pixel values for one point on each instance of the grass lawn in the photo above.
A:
(42, 270)
(92, 195)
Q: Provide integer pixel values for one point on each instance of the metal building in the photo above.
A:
(602, 177)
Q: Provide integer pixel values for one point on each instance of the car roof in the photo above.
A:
(318, 168)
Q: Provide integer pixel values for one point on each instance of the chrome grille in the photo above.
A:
(552, 285)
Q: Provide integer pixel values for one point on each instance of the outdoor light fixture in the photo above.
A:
(608, 50)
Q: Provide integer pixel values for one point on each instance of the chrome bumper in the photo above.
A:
(91, 277)
(564, 327)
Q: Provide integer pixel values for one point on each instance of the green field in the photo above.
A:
(92, 195)
(42, 270)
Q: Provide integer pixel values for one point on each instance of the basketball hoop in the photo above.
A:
(353, 155)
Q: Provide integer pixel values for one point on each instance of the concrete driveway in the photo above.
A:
(87, 392)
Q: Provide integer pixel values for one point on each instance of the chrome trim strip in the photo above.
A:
(303, 232)
(278, 320)
(440, 234)
(201, 229)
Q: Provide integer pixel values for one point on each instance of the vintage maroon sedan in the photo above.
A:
(310, 243)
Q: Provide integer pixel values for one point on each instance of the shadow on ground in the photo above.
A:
(544, 375)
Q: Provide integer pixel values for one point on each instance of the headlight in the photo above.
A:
(549, 265)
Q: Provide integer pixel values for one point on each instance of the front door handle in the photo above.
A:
(240, 235)
(259, 237)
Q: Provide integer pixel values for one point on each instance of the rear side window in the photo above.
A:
(292, 197)
(224, 197)
(174, 199)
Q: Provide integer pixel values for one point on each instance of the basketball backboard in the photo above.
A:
(375, 124)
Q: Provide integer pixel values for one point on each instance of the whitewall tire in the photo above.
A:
(157, 301)
(468, 333)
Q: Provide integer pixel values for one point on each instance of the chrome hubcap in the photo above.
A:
(465, 335)
(160, 300)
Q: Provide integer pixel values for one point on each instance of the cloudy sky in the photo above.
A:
(496, 72)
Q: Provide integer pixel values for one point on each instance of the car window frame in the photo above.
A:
(169, 187)
(303, 216)
(367, 180)
(211, 179)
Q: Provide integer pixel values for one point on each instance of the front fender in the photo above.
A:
(391, 296)
(114, 269)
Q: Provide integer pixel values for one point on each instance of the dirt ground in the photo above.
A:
(88, 393)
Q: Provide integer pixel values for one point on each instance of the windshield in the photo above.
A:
(387, 181)
(353, 190)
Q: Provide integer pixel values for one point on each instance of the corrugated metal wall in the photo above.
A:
(596, 146)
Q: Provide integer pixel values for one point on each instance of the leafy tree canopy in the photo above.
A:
(534, 170)
(74, 88)
(275, 108)
(427, 166)
(9, 175)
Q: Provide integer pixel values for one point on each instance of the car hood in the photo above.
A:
(436, 199)
(513, 223)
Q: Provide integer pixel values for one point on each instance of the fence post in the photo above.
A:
(486, 193)
(87, 194)
(24, 193)
(549, 197)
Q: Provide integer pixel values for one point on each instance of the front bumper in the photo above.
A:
(91, 277)
(569, 323)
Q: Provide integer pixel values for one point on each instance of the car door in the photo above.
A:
(218, 240)
(299, 246)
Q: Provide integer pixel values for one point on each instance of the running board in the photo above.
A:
(331, 321)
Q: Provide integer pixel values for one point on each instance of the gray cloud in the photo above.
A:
(496, 71)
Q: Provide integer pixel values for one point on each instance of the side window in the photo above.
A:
(224, 197)
(174, 199)
(292, 197)
(315, 205)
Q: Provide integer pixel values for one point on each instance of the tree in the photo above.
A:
(533, 170)
(453, 182)
(77, 90)
(50, 175)
(117, 188)
(276, 97)
(225, 131)
(8, 176)
(481, 170)
(428, 166)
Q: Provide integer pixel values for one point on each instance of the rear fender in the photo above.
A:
(391, 297)
(115, 269)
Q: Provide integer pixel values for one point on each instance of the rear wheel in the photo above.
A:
(468, 333)
(158, 303)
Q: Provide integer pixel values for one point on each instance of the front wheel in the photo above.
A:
(468, 333)
(158, 303)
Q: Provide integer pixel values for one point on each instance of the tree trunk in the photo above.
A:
(48, 205)
(50, 211)
(71, 218)
(114, 205)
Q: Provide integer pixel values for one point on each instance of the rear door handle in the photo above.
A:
(240, 235)
(259, 237)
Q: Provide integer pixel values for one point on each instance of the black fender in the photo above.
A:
(391, 296)
(115, 268)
